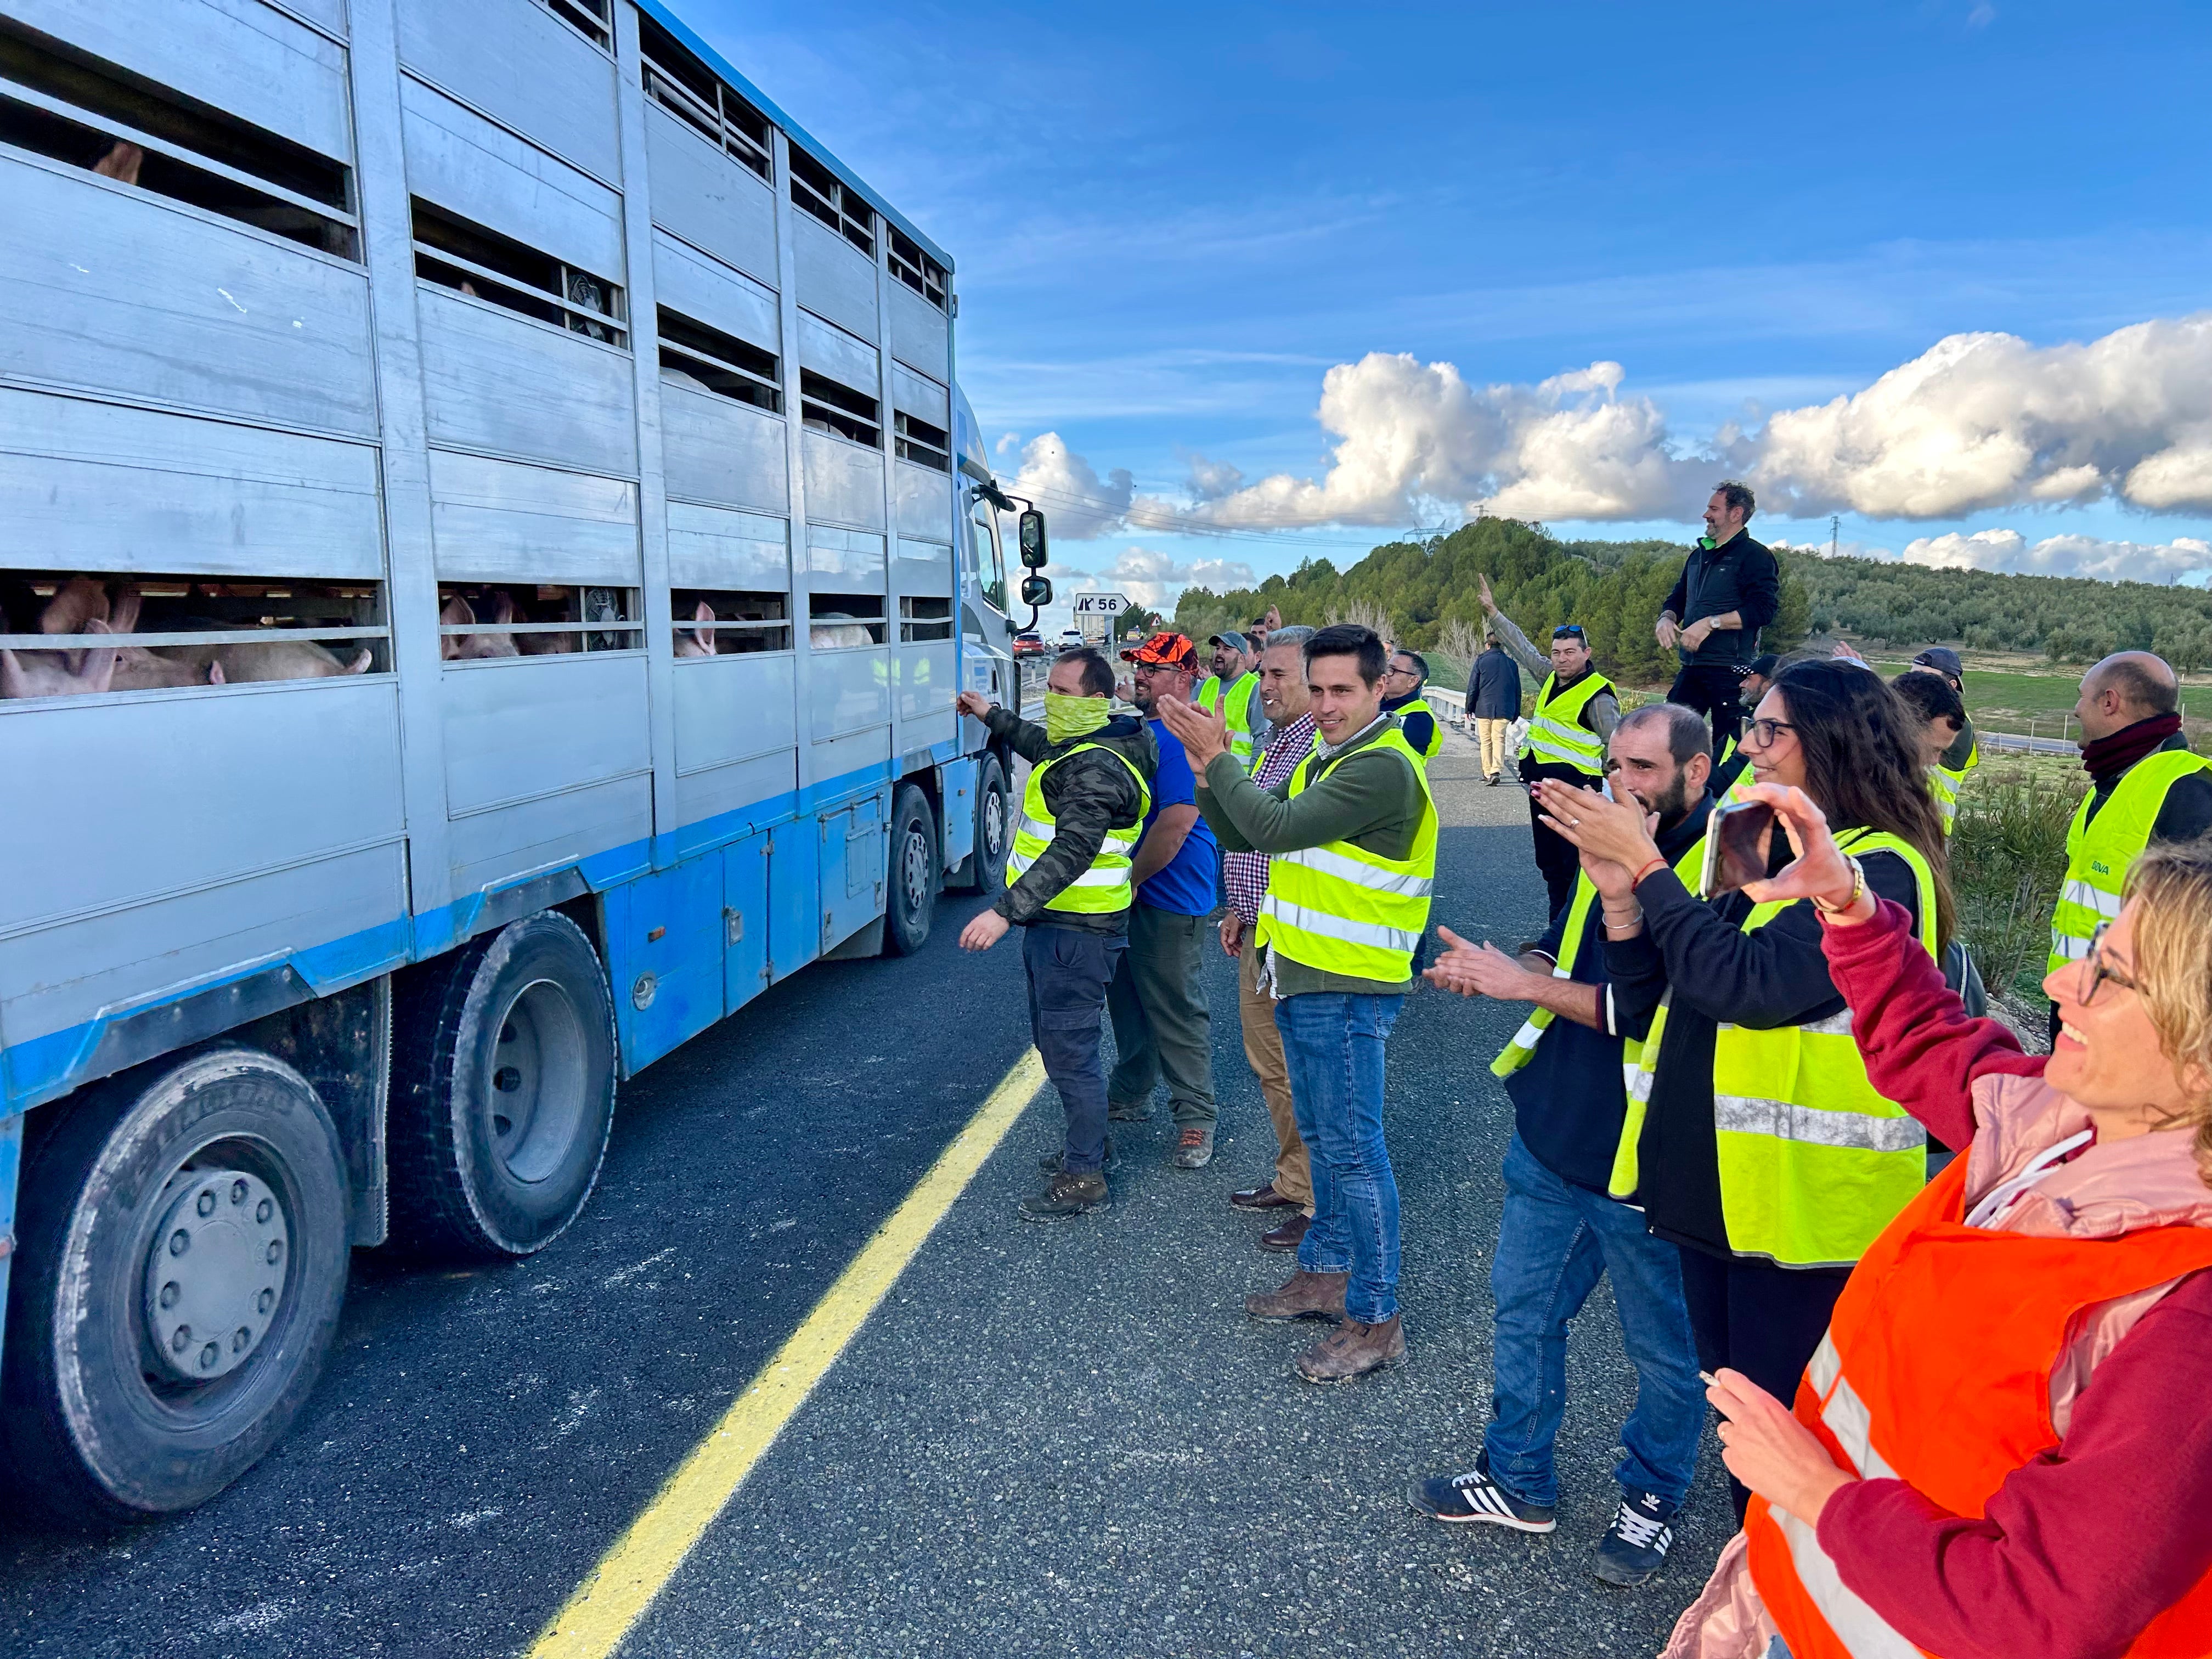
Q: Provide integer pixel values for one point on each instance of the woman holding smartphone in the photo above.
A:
(1763, 1150)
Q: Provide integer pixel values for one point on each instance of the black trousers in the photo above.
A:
(1711, 689)
(1557, 861)
(1762, 1320)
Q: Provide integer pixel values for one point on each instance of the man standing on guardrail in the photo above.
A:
(1354, 833)
(1069, 888)
(1730, 587)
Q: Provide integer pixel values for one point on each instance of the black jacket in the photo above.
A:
(1774, 976)
(1416, 719)
(1568, 1101)
(1740, 575)
(1087, 795)
(1493, 690)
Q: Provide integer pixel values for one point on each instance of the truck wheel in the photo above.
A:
(503, 1091)
(185, 1240)
(914, 882)
(984, 869)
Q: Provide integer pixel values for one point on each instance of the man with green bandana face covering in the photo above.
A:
(1070, 888)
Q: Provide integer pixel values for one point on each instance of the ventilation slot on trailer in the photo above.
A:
(835, 203)
(711, 623)
(479, 621)
(589, 18)
(922, 621)
(921, 443)
(77, 633)
(844, 622)
(708, 360)
(694, 94)
(79, 110)
(483, 265)
(916, 269)
(829, 405)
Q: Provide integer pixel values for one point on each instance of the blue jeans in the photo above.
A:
(1554, 1243)
(1332, 1043)
(1069, 970)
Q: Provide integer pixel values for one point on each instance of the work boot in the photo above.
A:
(1290, 1234)
(1053, 1163)
(1066, 1194)
(1353, 1349)
(1308, 1296)
(1193, 1147)
(1129, 1111)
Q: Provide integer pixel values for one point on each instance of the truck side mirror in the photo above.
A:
(1036, 591)
(1032, 540)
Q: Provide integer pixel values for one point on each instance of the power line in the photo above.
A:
(1152, 519)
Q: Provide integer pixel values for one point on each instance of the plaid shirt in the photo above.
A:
(1245, 874)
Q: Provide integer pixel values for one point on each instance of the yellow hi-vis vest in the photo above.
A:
(1943, 784)
(1814, 1164)
(2099, 852)
(1236, 713)
(1342, 909)
(1556, 735)
(1103, 888)
(1522, 1046)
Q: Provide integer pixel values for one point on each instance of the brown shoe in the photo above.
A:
(1308, 1296)
(1288, 1234)
(1261, 1197)
(1353, 1349)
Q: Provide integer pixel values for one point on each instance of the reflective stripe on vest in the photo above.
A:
(1637, 1059)
(2098, 853)
(1104, 887)
(1342, 909)
(1944, 783)
(1939, 1313)
(1556, 736)
(1237, 715)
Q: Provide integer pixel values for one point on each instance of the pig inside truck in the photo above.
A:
(489, 539)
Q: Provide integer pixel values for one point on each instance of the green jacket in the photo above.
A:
(1374, 802)
(1089, 794)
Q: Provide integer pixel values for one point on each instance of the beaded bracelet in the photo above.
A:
(1858, 892)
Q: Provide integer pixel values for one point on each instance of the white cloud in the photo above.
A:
(1155, 580)
(2009, 551)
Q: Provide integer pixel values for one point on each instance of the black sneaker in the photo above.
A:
(1066, 1195)
(1634, 1547)
(1051, 1162)
(1475, 1497)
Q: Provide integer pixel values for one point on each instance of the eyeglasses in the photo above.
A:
(1568, 631)
(2095, 970)
(1403, 673)
(1767, 731)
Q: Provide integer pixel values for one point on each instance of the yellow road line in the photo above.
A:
(646, 1557)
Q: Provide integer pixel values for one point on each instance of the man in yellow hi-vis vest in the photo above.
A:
(1232, 691)
(2145, 785)
(1561, 1231)
(1069, 889)
(1353, 835)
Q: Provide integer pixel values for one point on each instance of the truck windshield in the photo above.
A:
(990, 562)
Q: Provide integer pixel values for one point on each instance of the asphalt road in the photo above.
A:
(1049, 1440)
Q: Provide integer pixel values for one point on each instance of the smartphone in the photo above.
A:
(1736, 842)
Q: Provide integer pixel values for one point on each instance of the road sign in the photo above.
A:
(1101, 604)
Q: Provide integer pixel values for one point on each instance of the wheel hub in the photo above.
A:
(914, 865)
(994, 822)
(215, 1274)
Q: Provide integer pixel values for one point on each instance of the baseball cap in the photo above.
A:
(1172, 649)
(1942, 660)
(1763, 666)
(1235, 641)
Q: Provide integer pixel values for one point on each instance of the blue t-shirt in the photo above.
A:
(1191, 880)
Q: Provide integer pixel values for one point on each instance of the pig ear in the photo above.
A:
(98, 673)
(79, 600)
(703, 612)
(502, 608)
(122, 615)
(456, 613)
(360, 663)
(215, 674)
(13, 683)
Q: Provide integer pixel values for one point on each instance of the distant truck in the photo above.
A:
(491, 539)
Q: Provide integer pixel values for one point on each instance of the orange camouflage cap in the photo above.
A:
(1172, 649)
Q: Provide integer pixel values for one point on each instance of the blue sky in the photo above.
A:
(1170, 223)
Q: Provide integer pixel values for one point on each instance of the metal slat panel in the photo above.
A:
(237, 55)
(716, 449)
(686, 281)
(98, 486)
(844, 561)
(759, 783)
(834, 279)
(921, 336)
(523, 67)
(482, 172)
(135, 296)
(847, 692)
(831, 352)
(927, 685)
(518, 728)
(925, 500)
(735, 708)
(918, 395)
(844, 482)
(737, 552)
(494, 847)
(707, 199)
(923, 570)
(497, 382)
(506, 522)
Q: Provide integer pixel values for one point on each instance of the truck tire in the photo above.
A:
(185, 1237)
(502, 1092)
(984, 869)
(910, 901)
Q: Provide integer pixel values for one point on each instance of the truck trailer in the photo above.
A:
(490, 539)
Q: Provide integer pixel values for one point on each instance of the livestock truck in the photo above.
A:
(489, 537)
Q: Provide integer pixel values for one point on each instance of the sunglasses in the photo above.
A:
(1568, 631)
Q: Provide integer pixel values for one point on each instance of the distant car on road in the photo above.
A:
(1071, 639)
(1028, 644)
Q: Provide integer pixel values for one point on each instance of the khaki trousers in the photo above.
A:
(1492, 735)
(1263, 1048)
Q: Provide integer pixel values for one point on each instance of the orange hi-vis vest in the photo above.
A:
(1936, 1371)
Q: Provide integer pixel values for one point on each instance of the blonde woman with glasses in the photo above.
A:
(2001, 1445)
